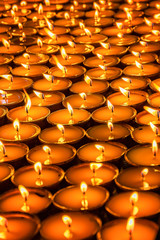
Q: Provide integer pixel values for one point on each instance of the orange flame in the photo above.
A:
(130, 225)
(5, 43)
(119, 25)
(49, 24)
(72, 9)
(40, 9)
(125, 92)
(96, 6)
(48, 77)
(81, 25)
(105, 45)
(110, 106)
(8, 77)
(71, 44)
(61, 128)
(3, 94)
(47, 149)
(88, 33)
(70, 109)
(148, 22)
(26, 66)
(62, 68)
(50, 34)
(26, 55)
(152, 111)
(88, 80)
(39, 94)
(47, 2)
(144, 44)
(16, 125)
(83, 187)
(139, 65)
(136, 54)
(39, 42)
(96, 15)
(110, 126)
(23, 3)
(127, 79)
(38, 167)
(158, 6)
(120, 35)
(154, 148)
(154, 128)
(95, 166)
(156, 87)
(133, 198)
(156, 32)
(20, 26)
(100, 56)
(100, 147)
(4, 222)
(28, 102)
(63, 53)
(67, 16)
(104, 68)
(2, 148)
(23, 192)
(67, 220)
(83, 96)
(144, 172)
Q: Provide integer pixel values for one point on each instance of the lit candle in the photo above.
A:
(147, 116)
(95, 61)
(31, 59)
(10, 99)
(142, 58)
(107, 49)
(9, 82)
(73, 48)
(10, 49)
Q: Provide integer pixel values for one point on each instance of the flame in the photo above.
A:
(100, 56)
(157, 16)
(120, 35)
(152, 111)
(49, 24)
(26, 55)
(23, 3)
(119, 25)
(34, 19)
(66, 16)
(13, 13)
(127, 79)
(144, 44)
(28, 102)
(15, 8)
(105, 45)
(95, 166)
(4, 94)
(96, 15)
(71, 44)
(2, 148)
(63, 53)
(26, 66)
(100, 147)
(88, 33)
(23, 192)
(148, 22)
(130, 225)
(50, 34)
(139, 65)
(47, 149)
(20, 26)
(83, 187)
(156, 87)
(96, 6)
(158, 6)
(47, 2)
(110, 126)
(49, 77)
(129, 15)
(3, 222)
(88, 80)
(62, 68)
(75, 3)
(39, 42)
(70, 109)
(40, 9)
(6, 43)
(39, 94)
(124, 92)
(136, 54)
(38, 167)
(154, 148)
(9, 77)
(144, 172)
(83, 96)
(67, 220)
(81, 25)
(156, 32)
(133, 198)
(154, 128)
(72, 9)
(16, 125)
(104, 68)
(130, 2)
(61, 128)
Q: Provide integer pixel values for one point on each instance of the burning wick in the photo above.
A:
(101, 149)
(25, 195)
(154, 148)
(144, 172)
(4, 223)
(154, 128)
(94, 167)
(61, 128)
(27, 105)
(125, 92)
(130, 227)
(38, 169)
(3, 149)
(84, 202)
(88, 80)
(70, 109)
(47, 150)
(67, 221)
(16, 127)
(110, 106)
(133, 198)
(129, 80)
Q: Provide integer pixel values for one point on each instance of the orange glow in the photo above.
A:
(75, 3)
(4, 222)
(16, 125)
(95, 166)
(15, 8)
(88, 33)
(139, 65)
(127, 79)
(38, 167)
(47, 149)
(154, 128)
(3, 94)
(110, 126)
(20, 26)
(100, 56)
(40, 9)
(88, 80)
(96, 15)
(152, 111)
(2, 149)
(119, 25)
(26, 66)
(156, 87)
(120, 35)
(8, 77)
(61, 128)
(144, 44)
(83, 96)
(156, 32)
(148, 22)
(28, 102)
(158, 6)
(50, 34)
(62, 68)
(130, 225)
(105, 45)
(67, 220)
(81, 25)
(110, 106)
(136, 54)
(39, 94)
(104, 68)
(129, 15)
(70, 109)
(48, 77)
(23, 3)
(39, 42)
(34, 19)
(63, 53)
(26, 55)
(47, 2)
(96, 6)
(67, 16)
(83, 187)
(6, 43)
(49, 24)
(154, 148)
(144, 172)
(130, 2)
(13, 13)
(23, 192)
(72, 9)
(133, 198)
(71, 44)
(100, 147)
(125, 92)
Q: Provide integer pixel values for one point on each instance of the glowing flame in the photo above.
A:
(47, 149)
(148, 22)
(48, 77)
(152, 111)
(26, 66)
(134, 198)
(38, 167)
(75, 3)
(88, 33)
(3, 94)
(130, 2)
(28, 102)
(61, 128)
(34, 19)
(100, 56)
(96, 6)
(23, 192)
(2, 148)
(157, 16)
(96, 15)
(3, 222)
(154, 148)
(39, 42)
(120, 35)
(40, 9)
(95, 166)
(62, 68)
(88, 80)
(154, 128)
(23, 3)
(129, 15)
(71, 44)
(8, 77)
(49, 24)
(104, 68)
(83, 187)
(130, 225)
(105, 45)
(156, 87)
(47, 2)
(144, 44)
(136, 54)
(5, 43)
(26, 55)
(81, 25)
(50, 34)
(20, 26)
(83, 96)
(39, 94)
(158, 6)
(127, 79)
(139, 65)
(156, 32)
(144, 172)
(110, 126)
(70, 109)
(100, 147)
(16, 125)
(110, 106)
(67, 220)
(72, 9)
(63, 53)
(119, 25)
(124, 92)
(13, 13)
(66, 16)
